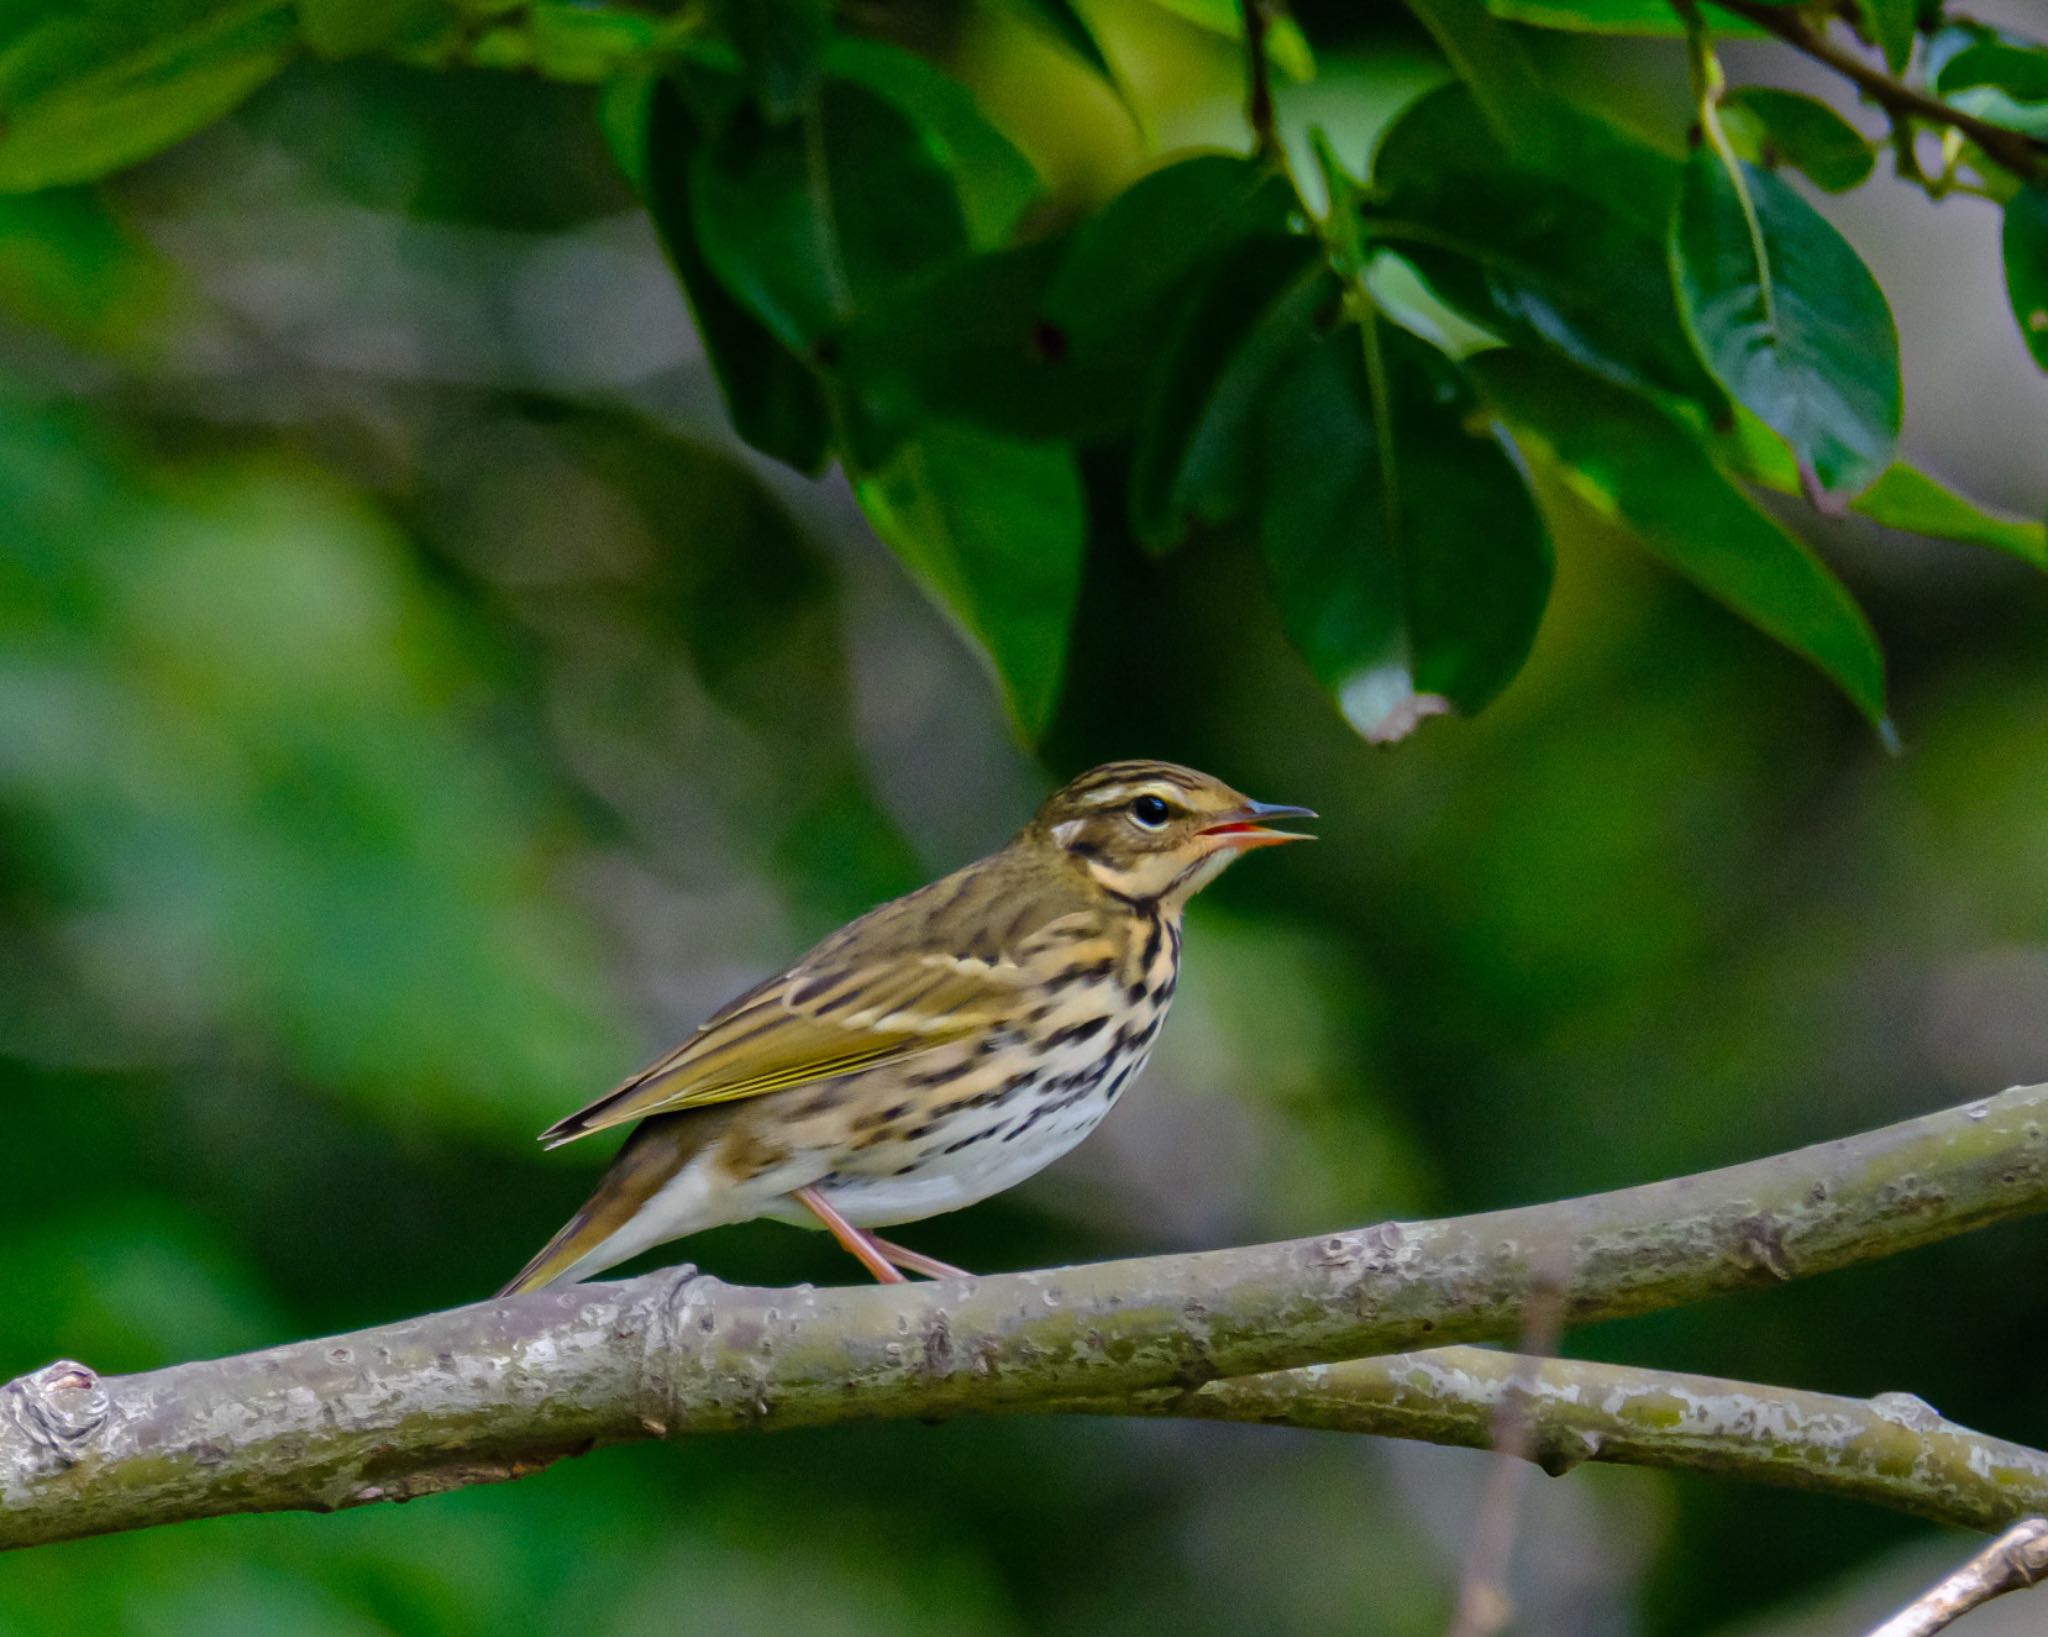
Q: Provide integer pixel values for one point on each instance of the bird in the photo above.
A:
(937, 1050)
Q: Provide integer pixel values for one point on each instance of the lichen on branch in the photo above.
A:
(499, 1389)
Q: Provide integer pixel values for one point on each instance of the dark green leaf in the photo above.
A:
(1537, 256)
(1641, 468)
(1788, 318)
(993, 529)
(88, 89)
(1410, 574)
(775, 401)
(1767, 126)
(2004, 83)
(996, 182)
(1057, 339)
(1891, 25)
(779, 44)
(1064, 23)
(807, 222)
(2026, 267)
(1495, 68)
(1258, 312)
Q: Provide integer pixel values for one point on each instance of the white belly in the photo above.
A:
(992, 1149)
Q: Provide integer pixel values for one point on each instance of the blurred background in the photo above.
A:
(416, 710)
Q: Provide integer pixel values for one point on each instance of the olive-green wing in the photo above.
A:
(828, 1017)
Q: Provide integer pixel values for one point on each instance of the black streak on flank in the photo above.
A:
(1075, 1033)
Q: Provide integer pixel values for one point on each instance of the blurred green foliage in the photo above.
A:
(417, 704)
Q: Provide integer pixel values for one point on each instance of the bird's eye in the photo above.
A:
(1149, 811)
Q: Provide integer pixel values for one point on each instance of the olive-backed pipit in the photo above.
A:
(936, 1051)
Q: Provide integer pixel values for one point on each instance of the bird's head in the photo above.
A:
(1155, 832)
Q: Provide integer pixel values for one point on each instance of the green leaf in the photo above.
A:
(996, 182)
(1259, 311)
(1573, 260)
(1891, 25)
(779, 43)
(1064, 23)
(1498, 76)
(2026, 267)
(1649, 18)
(1903, 497)
(90, 87)
(775, 401)
(1788, 318)
(1640, 467)
(1996, 80)
(1057, 339)
(1286, 46)
(1767, 126)
(1409, 564)
(68, 265)
(809, 221)
(993, 529)
(349, 28)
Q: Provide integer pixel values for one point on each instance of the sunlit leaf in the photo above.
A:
(1788, 318)
(1903, 497)
(1409, 564)
(993, 528)
(1286, 45)
(1641, 468)
(90, 88)
(1653, 18)
(1064, 22)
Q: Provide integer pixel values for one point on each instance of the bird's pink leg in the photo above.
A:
(917, 1261)
(860, 1246)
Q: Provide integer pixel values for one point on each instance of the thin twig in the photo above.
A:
(1258, 23)
(2025, 156)
(1484, 1605)
(2014, 1561)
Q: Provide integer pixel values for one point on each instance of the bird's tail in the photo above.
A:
(604, 1232)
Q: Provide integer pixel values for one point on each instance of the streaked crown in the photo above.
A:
(1155, 831)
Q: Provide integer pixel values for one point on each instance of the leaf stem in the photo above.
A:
(1258, 23)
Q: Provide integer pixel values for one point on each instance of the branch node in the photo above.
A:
(1908, 1410)
(58, 1409)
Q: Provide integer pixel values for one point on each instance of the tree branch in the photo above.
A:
(2025, 156)
(501, 1388)
(1894, 1451)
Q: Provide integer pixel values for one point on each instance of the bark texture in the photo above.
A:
(499, 1389)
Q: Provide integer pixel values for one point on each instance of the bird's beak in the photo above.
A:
(1242, 829)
